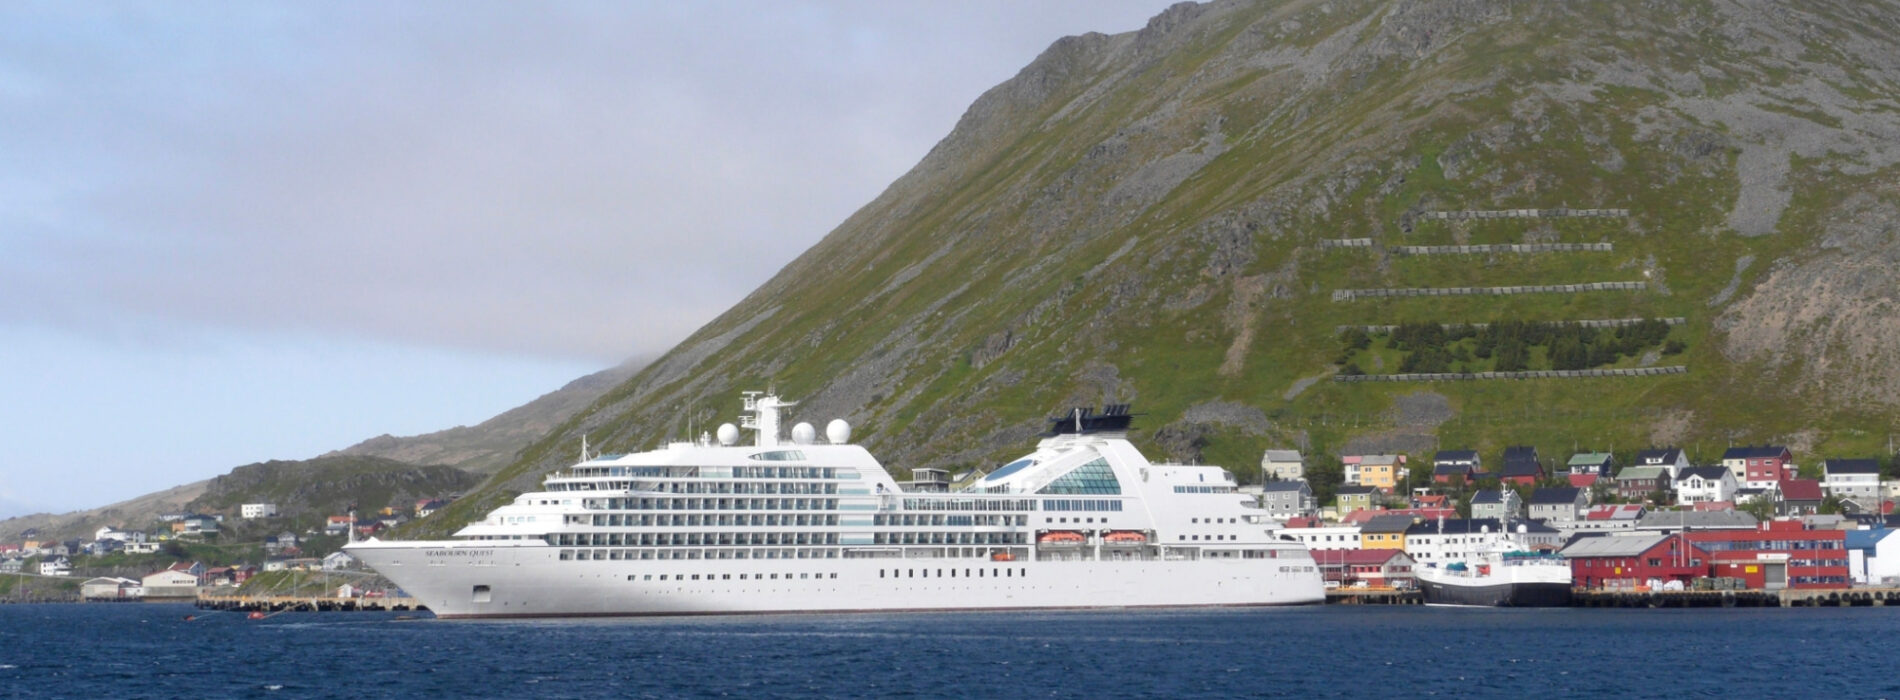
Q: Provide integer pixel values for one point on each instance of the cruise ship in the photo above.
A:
(713, 526)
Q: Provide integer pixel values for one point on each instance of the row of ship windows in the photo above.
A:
(1210, 538)
(895, 520)
(720, 472)
(1203, 489)
(728, 577)
(689, 539)
(695, 520)
(1082, 504)
(1227, 521)
(650, 504)
(678, 554)
(993, 573)
(741, 487)
(950, 538)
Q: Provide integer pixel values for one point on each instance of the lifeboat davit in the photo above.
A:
(1125, 537)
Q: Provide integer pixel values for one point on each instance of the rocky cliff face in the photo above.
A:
(1138, 218)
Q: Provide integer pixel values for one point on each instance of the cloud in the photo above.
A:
(582, 180)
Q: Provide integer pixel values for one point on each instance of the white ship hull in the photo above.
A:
(521, 581)
(1085, 521)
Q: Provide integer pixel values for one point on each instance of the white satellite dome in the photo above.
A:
(838, 431)
(728, 434)
(804, 434)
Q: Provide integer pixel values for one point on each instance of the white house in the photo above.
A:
(1285, 465)
(1331, 537)
(1671, 458)
(58, 566)
(338, 560)
(257, 510)
(112, 533)
(1856, 480)
(1706, 485)
(141, 547)
(1873, 556)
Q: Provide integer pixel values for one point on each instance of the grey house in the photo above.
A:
(1288, 499)
(1502, 504)
(1558, 504)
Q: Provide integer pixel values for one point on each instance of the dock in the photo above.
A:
(1785, 598)
(1374, 596)
(286, 603)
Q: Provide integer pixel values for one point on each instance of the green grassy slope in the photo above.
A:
(1137, 218)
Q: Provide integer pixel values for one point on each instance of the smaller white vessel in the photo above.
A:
(1505, 574)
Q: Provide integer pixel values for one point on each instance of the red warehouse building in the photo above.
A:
(1628, 561)
(1778, 554)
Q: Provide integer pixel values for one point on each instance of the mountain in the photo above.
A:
(308, 490)
(488, 447)
(137, 512)
(1184, 216)
(325, 484)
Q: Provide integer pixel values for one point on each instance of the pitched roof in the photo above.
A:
(1522, 467)
(1589, 459)
(1386, 524)
(1667, 455)
(1354, 490)
(1451, 469)
(1866, 539)
(1555, 495)
(1487, 497)
(1454, 526)
(1611, 546)
(1380, 459)
(1851, 466)
(1623, 511)
(1642, 473)
(1801, 490)
(1696, 520)
(1707, 473)
(1278, 486)
(1755, 452)
(1283, 455)
(1456, 455)
(1519, 454)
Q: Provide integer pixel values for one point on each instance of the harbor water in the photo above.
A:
(154, 651)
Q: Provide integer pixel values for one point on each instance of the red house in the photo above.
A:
(1778, 554)
(1627, 561)
(1386, 568)
(1759, 467)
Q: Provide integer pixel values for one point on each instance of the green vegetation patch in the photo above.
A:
(1507, 346)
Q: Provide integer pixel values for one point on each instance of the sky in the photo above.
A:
(234, 232)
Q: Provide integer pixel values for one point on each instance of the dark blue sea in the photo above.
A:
(152, 651)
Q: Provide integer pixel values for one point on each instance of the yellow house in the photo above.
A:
(1384, 472)
(1384, 532)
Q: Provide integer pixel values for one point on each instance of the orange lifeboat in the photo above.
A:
(1125, 537)
(1002, 556)
(1061, 537)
